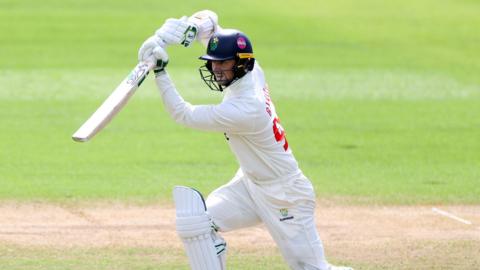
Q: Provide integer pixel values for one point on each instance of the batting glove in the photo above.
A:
(177, 31)
(152, 51)
(207, 24)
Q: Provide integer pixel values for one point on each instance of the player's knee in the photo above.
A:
(188, 227)
(205, 249)
(191, 217)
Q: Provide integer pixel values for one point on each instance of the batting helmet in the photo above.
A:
(224, 45)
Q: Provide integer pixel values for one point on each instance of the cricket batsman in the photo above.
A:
(268, 187)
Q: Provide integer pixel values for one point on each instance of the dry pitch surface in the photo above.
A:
(400, 237)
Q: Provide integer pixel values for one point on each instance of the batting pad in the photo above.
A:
(194, 228)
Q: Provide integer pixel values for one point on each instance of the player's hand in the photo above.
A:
(207, 24)
(177, 31)
(152, 51)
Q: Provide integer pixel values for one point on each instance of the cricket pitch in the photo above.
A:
(396, 237)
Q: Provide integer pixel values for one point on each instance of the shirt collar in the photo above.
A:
(241, 86)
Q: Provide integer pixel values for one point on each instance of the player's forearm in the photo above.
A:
(184, 113)
(174, 103)
(225, 117)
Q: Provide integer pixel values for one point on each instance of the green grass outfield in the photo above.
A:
(122, 259)
(382, 148)
(380, 101)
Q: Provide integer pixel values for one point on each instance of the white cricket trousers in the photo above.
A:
(285, 206)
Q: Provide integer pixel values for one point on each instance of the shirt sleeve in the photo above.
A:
(233, 115)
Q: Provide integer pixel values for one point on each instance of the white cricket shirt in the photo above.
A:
(247, 117)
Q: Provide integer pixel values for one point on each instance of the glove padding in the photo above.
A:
(177, 31)
(207, 24)
(152, 51)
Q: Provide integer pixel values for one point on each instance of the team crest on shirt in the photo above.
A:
(284, 214)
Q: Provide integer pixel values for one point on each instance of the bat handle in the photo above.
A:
(151, 64)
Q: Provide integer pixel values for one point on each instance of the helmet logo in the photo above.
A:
(241, 43)
(213, 44)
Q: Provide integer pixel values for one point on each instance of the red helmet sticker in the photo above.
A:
(241, 42)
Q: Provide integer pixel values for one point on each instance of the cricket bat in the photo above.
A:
(114, 103)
